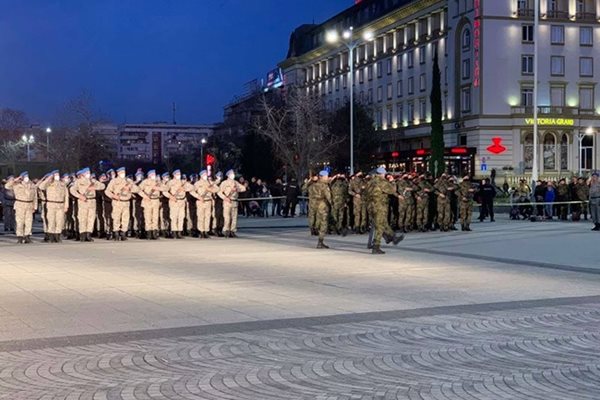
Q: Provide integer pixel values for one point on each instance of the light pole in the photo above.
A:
(351, 43)
(28, 141)
(202, 143)
(536, 38)
(48, 132)
(581, 135)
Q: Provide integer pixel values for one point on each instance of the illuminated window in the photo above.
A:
(527, 65)
(557, 34)
(557, 65)
(586, 66)
(586, 36)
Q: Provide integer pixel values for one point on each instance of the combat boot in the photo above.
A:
(463, 228)
(58, 238)
(109, 236)
(123, 236)
(20, 239)
(179, 235)
(377, 250)
(156, 235)
(322, 245)
(232, 234)
(116, 237)
(226, 234)
(468, 228)
(88, 237)
(47, 238)
(397, 239)
(220, 233)
(596, 227)
(27, 239)
(388, 238)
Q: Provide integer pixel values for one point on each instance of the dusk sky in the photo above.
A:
(137, 57)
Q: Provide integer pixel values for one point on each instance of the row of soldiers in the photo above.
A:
(114, 204)
(406, 202)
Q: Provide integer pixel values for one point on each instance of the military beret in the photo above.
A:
(381, 170)
(230, 172)
(121, 169)
(203, 172)
(324, 173)
(23, 174)
(165, 175)
(151, 172)
(177, 172)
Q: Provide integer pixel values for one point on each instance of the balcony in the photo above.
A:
(556, 14)
(525, 12)
(550, 110)
(586, 16)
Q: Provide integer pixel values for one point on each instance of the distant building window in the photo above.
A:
(399, 88)
(370, 72)
(422, 109)
(526, 97)
(399, 63)
(389, 66)
(527, 33)
(527, 65)
(422, 53)
(361, 75)
(557, 67)
(410, 59)
(586, 66)
(466, 69)
(379, 69)
(557, 34)
(465, 100)
(586, 98)
(586, 36)
(399, 113)
(411, 85)
(422, 83)
(466, 39)
(557, 96)
(379, 94)
(390, 91)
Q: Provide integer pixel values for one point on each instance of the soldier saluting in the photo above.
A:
(84, 190)
(229, 192)
(57, 204)
(25, 205)
(120, 190)
(203, 191)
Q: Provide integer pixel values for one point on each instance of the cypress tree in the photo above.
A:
(436, 162)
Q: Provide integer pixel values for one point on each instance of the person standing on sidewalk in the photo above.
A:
(594, 184)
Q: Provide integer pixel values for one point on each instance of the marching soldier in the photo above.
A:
(424, 189)
(320, 201)
(176, 192)
(204, 190)
(57, 204)
(121, 190)
(379, 190)
(307, 188)
(84, 190)
(8, 204)
(25, 205)
(465, 194)
(152, 188)
(229, 191)
(355, 189)
(339, 207)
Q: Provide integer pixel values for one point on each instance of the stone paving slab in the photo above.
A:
(538, 350)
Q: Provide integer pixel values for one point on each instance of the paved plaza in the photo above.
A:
(510, 311)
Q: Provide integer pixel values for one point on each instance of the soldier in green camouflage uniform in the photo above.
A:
(380, 190)
(320, 201)
(423, 191)
(339, 208)
(409, 190)
(401, 186)
(465, 194)
(443, 189)
(582, 192)
(307, 188)
(562, 195)
(359, 210)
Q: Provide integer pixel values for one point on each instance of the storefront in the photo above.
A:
(460, 161)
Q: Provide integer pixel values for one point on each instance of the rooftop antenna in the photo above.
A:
(174, 111)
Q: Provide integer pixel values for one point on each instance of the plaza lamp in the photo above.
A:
(28, 140)
(348, 39)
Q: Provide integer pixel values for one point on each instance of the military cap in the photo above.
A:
(381, 170)
(177, 172)
(23, 174)
(324, 173)
(151, 172)
(121, 169)
(110, 171)
(53, 172)
(219, 174)
(83, 171)
(165, 175)
(203, 172)
(65, 176)
(230, 172)
(139, 172)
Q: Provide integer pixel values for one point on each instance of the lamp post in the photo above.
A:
(48, 132)
(202, 143)
(348, 39)
(536, 38)
(581, 135)
(28, 141)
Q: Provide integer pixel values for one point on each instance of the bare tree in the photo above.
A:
(13, 124)
(298, 129)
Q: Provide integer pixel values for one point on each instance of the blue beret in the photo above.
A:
(324, 173)
(10, 177)
(381, 170)
(203, 172)
(219, 174)
(230, 172)
(121, 169)
(65, 176)
(177, 172)
(83, 171)
(151, 172)
(165, 175)
(54, 172)
(110, 171)
(23, 174)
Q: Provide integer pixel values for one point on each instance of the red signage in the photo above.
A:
(210, 159)
(477, 43)
(421, 152)
(459, 150)
(496, 147)
(395, 154)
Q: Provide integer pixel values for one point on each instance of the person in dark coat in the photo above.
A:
(486, 193)
(276, 191)
(292, 192)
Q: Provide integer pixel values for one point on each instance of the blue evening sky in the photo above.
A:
(138, 56)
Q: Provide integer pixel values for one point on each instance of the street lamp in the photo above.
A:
(536, 37)
(202, 143)
(347, 39)
(48, 132)
(28, 141)
(581, 135)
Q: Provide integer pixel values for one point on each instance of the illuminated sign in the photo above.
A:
(477, 43)
(274, 79)
(459, 150)
(552, 121)
(421, 152)
(496, 147)
(395, 154)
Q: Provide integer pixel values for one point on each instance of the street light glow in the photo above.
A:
(589, 131)
(332, 37)
(368, 36)
(203, 141)
(48, 130)
(347, 35)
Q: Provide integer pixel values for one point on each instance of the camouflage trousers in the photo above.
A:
(312, 214)
(406, 214)
(422, 213)
(151, 214)
(444, 212)
(359, 212)
(466, 213)
(338, 212)
(321, 209)
(381, 223)
(86, 215)
(120, 215)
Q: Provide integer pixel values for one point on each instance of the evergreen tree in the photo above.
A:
(436, 162)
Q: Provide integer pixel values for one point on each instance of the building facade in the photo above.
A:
(152, 142)
(485, 54)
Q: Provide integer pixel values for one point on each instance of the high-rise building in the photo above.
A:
(486, 52)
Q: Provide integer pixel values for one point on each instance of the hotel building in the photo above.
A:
(485, 50)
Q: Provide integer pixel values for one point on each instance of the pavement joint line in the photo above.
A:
(286, 323)
(509, 261)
